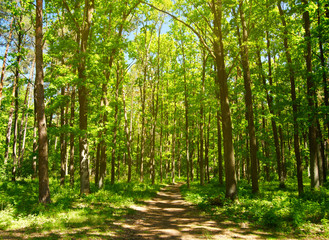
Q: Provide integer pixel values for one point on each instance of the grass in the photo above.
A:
(19, 208)
(273, 209)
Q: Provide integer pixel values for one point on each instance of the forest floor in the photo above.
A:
(169, 216)
(166, 216)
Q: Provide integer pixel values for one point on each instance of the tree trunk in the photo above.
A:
(72, 168)
(202, 92)
(114, 141)
(311, 94)
(44, 193)
(63, 140)
(187, 140)
(294, 104)
(17, 73)
(128, 135)
(325, 90)
(248, 99)
(231, 184)
(5, 59)
(83, 96)
(25, 114)
(207, 147)
(173, 150)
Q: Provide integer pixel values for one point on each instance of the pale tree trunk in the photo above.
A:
(24, 120)
(44, 193)
(5, 59)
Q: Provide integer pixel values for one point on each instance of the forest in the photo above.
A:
(106, 103)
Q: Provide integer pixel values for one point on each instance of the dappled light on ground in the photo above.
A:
(169, 216)
(166, 216)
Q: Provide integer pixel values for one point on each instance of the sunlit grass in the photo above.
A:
(20, 208)
(272, 209)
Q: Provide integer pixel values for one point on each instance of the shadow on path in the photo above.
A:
(169, 216)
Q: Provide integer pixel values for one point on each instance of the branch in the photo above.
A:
(71, 15)
(204, 18)
(202, 40)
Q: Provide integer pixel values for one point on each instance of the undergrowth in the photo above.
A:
(19, 207)
(274, 209)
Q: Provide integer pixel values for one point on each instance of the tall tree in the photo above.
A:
(44, 192)
(311, 97)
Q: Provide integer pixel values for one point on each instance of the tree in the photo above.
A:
(44, 193)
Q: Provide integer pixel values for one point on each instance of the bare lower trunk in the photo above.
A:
(72, 168)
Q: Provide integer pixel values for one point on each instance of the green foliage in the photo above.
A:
(274, 208)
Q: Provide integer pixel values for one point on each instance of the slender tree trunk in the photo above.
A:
(311, 94)
(35, 148)
(173, 150)
(103, 133)
(207, 147)
(325, 90)
(248, 99)
(24, 120)
(128, 135)
(294, 103)
(63, 140)
(44, 193)
(231, 184)
(186, 104)
(5, 59)
(143, 95)
(114, 141)
(202, 92)
(72, 168)
(15, 100)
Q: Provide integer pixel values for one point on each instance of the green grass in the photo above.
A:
(273, 209)
(20, 210)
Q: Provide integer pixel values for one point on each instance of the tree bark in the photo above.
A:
(63, 140)
(83, 96)
(24, 120)
(311, 96)
(16, 83)
(202, 92)
(44, 193)
(128, 135)
(72, 168)
(231, 184)
(244, 51)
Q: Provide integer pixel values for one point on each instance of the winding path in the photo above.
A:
(169, 216)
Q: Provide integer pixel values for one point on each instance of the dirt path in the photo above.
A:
(169, 216)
